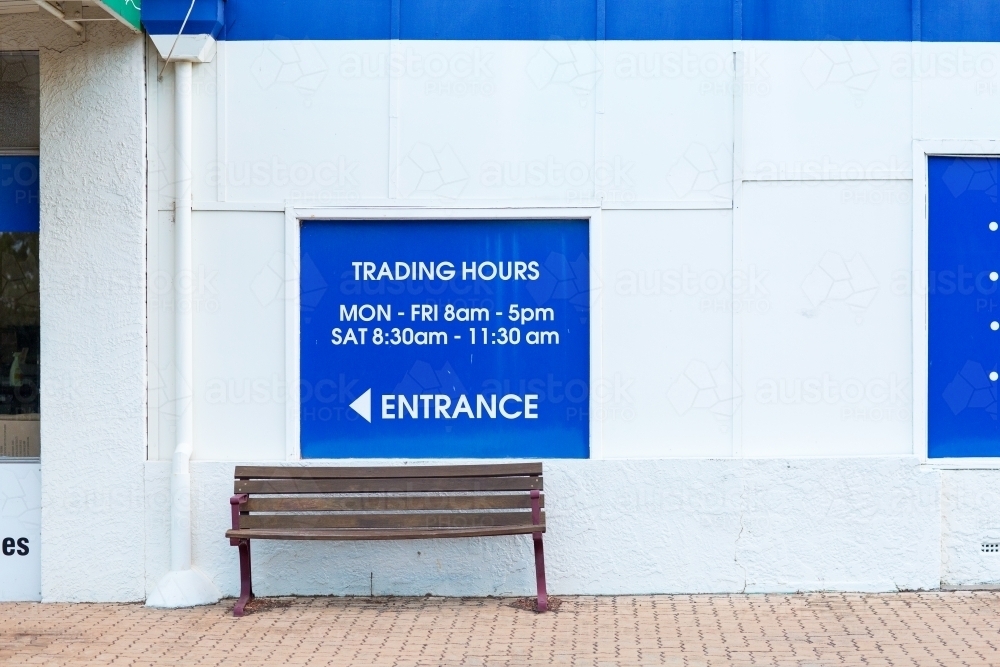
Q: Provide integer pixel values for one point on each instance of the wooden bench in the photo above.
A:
(389, 503)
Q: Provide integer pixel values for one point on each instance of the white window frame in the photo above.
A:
(922, 150)
(294, 214)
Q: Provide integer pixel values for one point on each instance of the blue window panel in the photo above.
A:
(335, 376)
(960, 21)
(963, 301)
(670, 19)
(876, 20)
(19, 194)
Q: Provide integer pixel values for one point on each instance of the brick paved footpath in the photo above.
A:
(947, 629)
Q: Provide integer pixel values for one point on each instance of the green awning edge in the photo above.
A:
(126, 11)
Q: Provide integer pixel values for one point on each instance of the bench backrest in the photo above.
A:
(417, 497)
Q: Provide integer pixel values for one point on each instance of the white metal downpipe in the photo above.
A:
(180, 479)
(183, 586)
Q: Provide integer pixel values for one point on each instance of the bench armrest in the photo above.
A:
(235, 503)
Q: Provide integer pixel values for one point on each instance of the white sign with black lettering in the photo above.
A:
(20, 531)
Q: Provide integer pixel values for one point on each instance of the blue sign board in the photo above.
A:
(963, 307)
(19, 193)
(445, 338)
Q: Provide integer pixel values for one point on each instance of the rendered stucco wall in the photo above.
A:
(617, 527)
(970, 527)
(92, 258)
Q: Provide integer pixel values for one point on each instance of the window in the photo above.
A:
(19, 220)
(963, 307)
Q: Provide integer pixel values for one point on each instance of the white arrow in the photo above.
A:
(363, 405)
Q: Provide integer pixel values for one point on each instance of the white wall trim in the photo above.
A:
(396, 54)
(971, 463)
(922, 148)
(278, 207)
(684, 205)
(819, 177)
(738, 242)
(221, 120)
(292, 423)
(434, 211)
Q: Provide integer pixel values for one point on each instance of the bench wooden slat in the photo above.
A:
(388, 503)
(382, 533)
(367, 472)
(385, 520)
(384, 485)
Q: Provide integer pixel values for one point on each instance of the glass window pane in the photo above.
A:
(18, 100)
(19, 344)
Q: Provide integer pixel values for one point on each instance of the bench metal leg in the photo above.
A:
(536, 518)
(543, 596)
(246, 587)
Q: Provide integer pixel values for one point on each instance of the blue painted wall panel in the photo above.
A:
(346, 355)
(498, 19)
(670, 19)
(960, 21)
(876, 20)
(18, 194)
(165, 17)
(310, 19)
(963, 300)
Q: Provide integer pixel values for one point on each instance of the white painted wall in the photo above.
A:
(826, 366)
(956, 89)
(833, 109)
(760, 355)
(667, 122)
(92, 306)
(668, 334)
